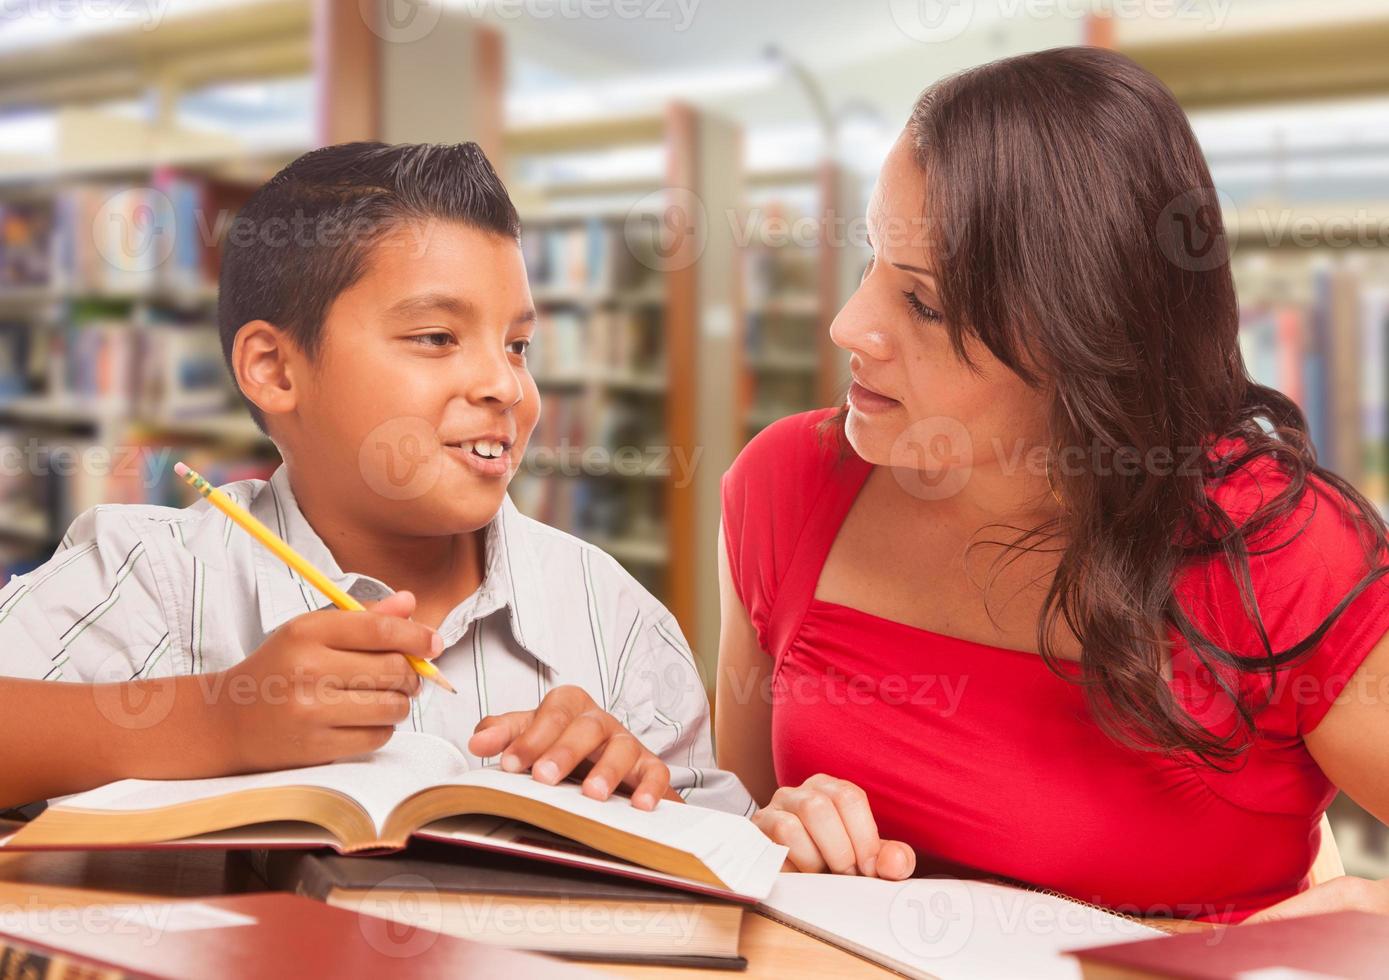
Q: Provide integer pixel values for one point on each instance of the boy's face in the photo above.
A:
(419, 403)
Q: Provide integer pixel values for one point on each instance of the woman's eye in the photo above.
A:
(919, 309)
(518, 347)
(438, 338)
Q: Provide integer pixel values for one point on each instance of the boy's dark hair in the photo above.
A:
(305, 235)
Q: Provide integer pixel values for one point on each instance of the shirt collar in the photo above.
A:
(511, 577)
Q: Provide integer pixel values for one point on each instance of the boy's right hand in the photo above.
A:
(326, 684)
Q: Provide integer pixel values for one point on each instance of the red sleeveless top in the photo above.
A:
(989, 764)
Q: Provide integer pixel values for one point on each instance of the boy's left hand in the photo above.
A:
(567, 728)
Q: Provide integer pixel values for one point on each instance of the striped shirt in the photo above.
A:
(145, 591)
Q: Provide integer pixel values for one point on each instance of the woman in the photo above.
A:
(1061, 595)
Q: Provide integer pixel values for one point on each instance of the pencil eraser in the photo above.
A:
(181, 468)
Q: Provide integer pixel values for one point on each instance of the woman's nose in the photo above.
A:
(858, 328)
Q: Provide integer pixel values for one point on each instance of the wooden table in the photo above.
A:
(80, 878)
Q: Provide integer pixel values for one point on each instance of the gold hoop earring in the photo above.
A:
(1051, 486)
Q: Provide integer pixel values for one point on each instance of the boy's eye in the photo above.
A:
(518, 347)
(438, 338)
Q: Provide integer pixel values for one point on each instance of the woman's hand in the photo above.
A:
(567, 728)
(828, 826)
(1338, 894)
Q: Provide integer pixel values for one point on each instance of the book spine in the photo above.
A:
(18, 962)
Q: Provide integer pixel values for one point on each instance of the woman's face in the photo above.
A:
(914, 404)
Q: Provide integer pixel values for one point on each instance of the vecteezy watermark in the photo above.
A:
(931, 918)
(679, 14)
(932, 458)
(675, 463)
(935, 21)
(403, 916)
(932, 21)
(1192, 232)
(133, 230)
(146, 14)
(402, 458)
(667, 229)
(127, 705)
(42, 458)
(400, 21)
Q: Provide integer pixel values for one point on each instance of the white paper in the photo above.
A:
(946, 928)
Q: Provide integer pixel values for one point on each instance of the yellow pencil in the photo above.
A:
(294, 560)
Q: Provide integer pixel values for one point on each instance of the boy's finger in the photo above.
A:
(369, 709)
(372, 671)
(401, 604)
(652, 783)
(496, 732)
(619, 757)
(370, 632)
(560, 737)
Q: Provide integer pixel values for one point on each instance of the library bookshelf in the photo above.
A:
(635, 279)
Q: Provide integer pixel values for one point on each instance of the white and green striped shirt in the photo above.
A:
(145, 591)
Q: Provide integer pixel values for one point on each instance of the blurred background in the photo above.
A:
(691, 176)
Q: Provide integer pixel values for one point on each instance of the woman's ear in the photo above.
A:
(260, 361)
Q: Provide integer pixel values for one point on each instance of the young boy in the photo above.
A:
(375, 313)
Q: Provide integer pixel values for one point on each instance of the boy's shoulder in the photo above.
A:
(113, 525)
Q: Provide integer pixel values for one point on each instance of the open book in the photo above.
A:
(417, 786)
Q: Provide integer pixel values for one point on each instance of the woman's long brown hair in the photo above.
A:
(1075, 231)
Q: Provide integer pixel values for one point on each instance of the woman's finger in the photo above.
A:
(822, 822)
(856, 815)
(785, 828)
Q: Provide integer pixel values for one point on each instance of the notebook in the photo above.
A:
(268, 936)
(948, 928)
(415, 786)
(521, 903)
(1349, 945)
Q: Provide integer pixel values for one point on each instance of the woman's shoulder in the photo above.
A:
(1309, 564)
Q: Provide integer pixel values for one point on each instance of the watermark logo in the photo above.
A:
(933, 457)
(133, 230)
(932, 21)
(930, 918)
(666, 229)
(1191, 230)
(401, 458)
(403, 916)
(133, 707)
(400, 21)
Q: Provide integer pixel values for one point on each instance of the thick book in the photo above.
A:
(268, 936)
(416, 786)
(1348, 945)
(520, 903)
(947, 928)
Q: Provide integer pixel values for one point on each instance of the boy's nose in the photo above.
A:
(494, 380)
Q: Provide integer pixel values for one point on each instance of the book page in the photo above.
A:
(727, 844)
(408, 763)
(947, 928)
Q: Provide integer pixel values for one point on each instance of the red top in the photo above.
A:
(988, 763)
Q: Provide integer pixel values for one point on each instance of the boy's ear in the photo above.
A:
(261, 362)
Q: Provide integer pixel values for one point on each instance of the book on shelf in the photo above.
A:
(274, 936)
(26, 244)
(520, 902)
(416, 786)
